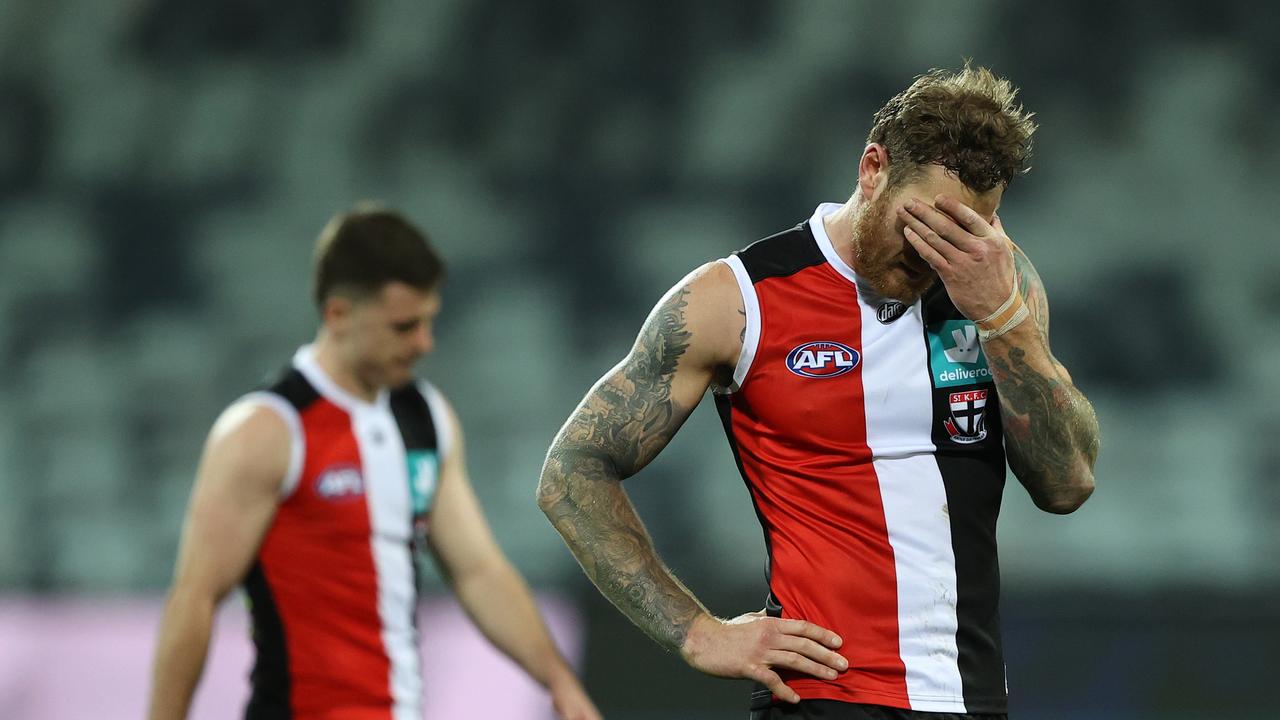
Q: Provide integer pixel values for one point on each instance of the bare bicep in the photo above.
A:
(634, 410)
(234, 498)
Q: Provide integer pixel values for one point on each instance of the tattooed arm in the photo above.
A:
(1050, 430)
(1051, 433)
(691, 339)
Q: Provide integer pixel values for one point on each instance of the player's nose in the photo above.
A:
(424, 341)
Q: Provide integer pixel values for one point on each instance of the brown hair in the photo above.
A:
(965, 121)
(359, 252)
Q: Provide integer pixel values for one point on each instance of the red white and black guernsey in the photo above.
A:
(333, 590)
(868, 433)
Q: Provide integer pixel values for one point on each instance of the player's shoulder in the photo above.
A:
(430, 394)
(710, 279)
(444, 418)
(708, 294)
(258, 419)
(256, 440)
(779, 255)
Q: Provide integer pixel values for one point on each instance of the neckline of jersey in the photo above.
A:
(305, 362)
(819, 231)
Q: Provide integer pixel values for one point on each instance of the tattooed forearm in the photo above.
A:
(617, 429)
(583, 498)
(1051, 432)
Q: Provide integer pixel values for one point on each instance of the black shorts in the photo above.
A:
(835, 710)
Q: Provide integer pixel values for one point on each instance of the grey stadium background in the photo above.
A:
(166, 164)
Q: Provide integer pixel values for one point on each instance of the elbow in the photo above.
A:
(551, 489)
(546, 493)
(1069, 497)
(546, 496)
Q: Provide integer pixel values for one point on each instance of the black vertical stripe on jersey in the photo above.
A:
(781, 255)
(413, 417)
(724, 406)
(417, 428)
(761, 696)
(270, 676)
(973, 476)
(292, 386)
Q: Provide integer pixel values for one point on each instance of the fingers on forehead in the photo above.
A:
(933, 217)
(960, 211)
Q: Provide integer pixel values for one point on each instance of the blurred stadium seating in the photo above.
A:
(166, 164)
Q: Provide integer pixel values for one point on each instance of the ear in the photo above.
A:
(335, 311)
(873, 171)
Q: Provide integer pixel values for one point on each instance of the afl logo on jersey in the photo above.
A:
(822, 359)
(340, 482)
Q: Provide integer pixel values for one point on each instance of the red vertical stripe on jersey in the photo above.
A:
(318, 546)
(802, 443)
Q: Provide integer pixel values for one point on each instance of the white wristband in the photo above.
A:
(1021, 314)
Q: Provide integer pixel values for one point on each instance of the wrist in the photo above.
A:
(1021, 334)
(701, 629)
(559, 674)
(1013, 313)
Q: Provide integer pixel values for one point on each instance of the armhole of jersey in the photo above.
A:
(751, 303)
(439, 418)
(297, 446)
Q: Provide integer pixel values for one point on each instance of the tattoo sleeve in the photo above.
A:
(622, 423)
(1051, 431)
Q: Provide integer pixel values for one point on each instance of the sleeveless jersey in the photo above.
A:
(333, 589)
(868, 434)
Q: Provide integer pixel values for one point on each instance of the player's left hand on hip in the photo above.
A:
(572, 703)
(973, 258)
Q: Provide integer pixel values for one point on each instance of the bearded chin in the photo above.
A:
(878, 267)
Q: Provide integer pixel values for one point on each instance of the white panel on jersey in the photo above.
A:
(915, 510)
(897, 389)
(297, 441)
(386, 472)
(386, 485)
(751, 303)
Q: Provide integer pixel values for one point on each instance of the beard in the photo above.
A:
(879, 250)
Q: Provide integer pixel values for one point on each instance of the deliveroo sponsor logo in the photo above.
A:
(424, 471)
(955, 355)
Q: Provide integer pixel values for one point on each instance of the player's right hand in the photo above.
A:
(753, 645)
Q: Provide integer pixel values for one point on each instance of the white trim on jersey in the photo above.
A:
(819, 230)
(305, 361)
(297, 440)
(440, 418)
(751, 340)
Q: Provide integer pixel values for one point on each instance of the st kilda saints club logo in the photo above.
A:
(822, 359)
(890, 311)
(968, 421)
